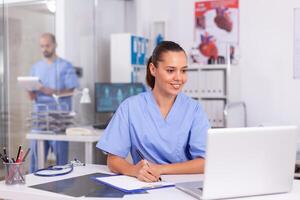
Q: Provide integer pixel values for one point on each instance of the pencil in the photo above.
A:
(18, 154)
(20, 158)
(4, 151)
(26, 154)
(2, 158)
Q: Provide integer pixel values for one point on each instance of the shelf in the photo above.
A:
(208, 98)
(213, 68)
(194, 67)
(218, 127)
(208, 84)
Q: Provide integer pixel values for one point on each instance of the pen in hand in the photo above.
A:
(143, 158)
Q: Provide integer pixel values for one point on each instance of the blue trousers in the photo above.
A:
(60, 150)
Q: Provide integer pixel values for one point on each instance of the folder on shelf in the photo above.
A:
(191, 87)
(214, 110)
(212, 83)
(203, 84)
(220, 105)
(130, 184)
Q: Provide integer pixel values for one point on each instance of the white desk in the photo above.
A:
(87, 139)
(21, 192)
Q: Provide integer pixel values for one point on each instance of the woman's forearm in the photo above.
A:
(195, 166)
(120, 165)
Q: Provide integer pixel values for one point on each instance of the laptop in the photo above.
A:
(246, 162)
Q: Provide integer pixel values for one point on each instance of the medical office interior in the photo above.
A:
(258, 85)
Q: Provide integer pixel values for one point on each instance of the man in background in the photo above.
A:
(57, 77)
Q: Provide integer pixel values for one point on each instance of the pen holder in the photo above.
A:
(14, 173)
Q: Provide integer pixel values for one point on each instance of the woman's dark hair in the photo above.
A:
(161, 48)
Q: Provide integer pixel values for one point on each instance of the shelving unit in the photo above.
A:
(209, 84)
(127, 57)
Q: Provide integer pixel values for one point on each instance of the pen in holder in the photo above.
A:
(14, 173)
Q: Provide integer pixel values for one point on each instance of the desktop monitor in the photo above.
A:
(108, 96)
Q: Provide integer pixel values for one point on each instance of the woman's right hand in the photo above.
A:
(143, 172)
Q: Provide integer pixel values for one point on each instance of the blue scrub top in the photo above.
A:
(58, 75)
(139, 124)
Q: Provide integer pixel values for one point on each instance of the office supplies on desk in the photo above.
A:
(130, 184)
(14, 168)
(51, 118)
(20, 157)
(81, 186)
(18, 154)
(3, 158)
(14, 173)
(243, 162)
(5, 154)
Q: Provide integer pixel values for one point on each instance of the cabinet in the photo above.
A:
(127, 57)
(209, 84)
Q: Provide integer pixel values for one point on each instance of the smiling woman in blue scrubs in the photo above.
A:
(166, 126)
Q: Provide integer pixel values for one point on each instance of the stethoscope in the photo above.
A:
(58, 170)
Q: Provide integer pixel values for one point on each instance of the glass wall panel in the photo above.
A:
(75, 23)
(24, 23)
(3, 111)
(88, 47)
(82, 29)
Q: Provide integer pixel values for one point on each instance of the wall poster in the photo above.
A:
(216, 31)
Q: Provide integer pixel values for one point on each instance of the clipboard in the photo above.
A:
(81, 186)
(30, 83)
(130, 184)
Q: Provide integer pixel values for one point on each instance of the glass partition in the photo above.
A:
(24, 21)
(3, 109)
(82, 30)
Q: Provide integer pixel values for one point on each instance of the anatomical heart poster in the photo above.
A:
(216, 31)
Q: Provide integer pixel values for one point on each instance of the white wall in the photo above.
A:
(268, 87)
(265, 70)
(75, 38)
(178, 15)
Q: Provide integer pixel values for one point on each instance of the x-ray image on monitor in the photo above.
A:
(108, 96)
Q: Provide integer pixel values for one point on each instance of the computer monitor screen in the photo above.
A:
(108, 96)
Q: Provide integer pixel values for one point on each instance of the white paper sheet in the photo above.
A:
(130, 183)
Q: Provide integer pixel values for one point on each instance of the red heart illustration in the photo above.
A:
(223, 20)
(208, 47)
